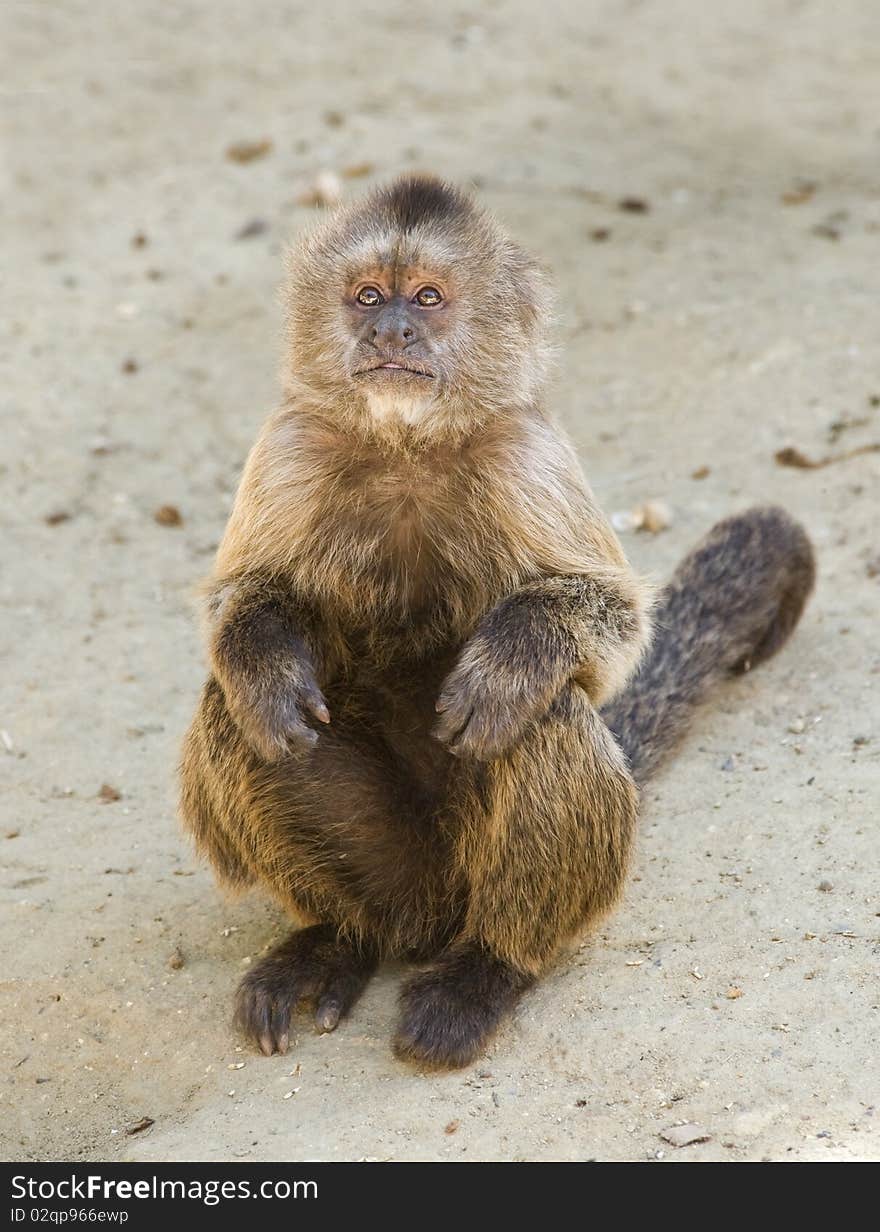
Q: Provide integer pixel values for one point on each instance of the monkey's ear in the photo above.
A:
(532, 291)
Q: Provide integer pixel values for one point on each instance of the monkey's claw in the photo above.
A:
(311, 966)
(280, 725)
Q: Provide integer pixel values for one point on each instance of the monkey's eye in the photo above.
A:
(429, 297)
(369, 297)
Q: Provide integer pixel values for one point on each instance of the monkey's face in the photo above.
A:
(401, 319)
(403, 324)
(412, 304)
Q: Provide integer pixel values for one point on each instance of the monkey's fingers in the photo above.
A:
(465, 694)
(484, 732)
(342, 986)
(454, 706)
(452, 723)
(312, 700)
(328, 1014)
(483, 729)
(277, 729)
(299, 736)
(456, 692)
(488, 734)
(283, 724)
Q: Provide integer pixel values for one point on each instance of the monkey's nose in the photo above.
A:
(394, 336)
(394, 330)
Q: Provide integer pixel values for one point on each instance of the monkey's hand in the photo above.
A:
(266, 669)
(506, 676)
(273, 713)
(588, 628)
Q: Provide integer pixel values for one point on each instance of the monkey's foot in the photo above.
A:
(449, 1013)
(313, 965)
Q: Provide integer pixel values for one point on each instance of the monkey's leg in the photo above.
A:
(312, 965)
(341, 836)
(543, 842)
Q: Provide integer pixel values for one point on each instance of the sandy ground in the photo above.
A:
(735, 315)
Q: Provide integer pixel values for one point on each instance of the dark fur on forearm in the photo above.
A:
(526, 649)
(265, 653)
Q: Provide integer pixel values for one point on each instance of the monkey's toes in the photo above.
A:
(339, 991)
(263, 1007)
(313, 966)
(450, 1012)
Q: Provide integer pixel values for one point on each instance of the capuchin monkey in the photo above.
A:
(434, 693)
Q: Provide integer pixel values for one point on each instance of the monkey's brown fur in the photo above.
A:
(416, 614)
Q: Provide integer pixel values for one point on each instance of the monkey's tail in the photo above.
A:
(732, 602)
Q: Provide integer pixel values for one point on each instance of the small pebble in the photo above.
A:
(325, 189)
(652, 516)
(624, 520)
(248, 151)
(802, 192)
(168, 515)
(256, 226)
(354, 171)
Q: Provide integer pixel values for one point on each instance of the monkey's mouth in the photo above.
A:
(395, 368)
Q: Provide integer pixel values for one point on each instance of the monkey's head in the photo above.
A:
(413, 305)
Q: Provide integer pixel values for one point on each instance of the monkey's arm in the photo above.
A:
(590, 628)
(265, 652)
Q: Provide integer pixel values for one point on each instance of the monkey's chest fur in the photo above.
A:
(403, 557)
(401, 562)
